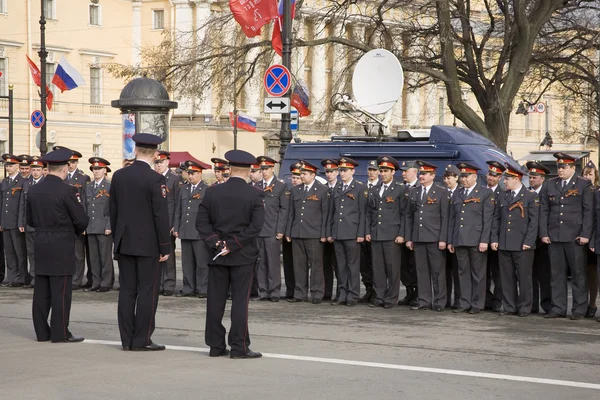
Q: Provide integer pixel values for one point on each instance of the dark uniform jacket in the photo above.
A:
(186, 210)
(138, 212)
(385, 215)
(308, 216)
(23, 204)
(427, 220)
(96, 205)
(232, 212)
(516, 222)
(471, 217)
(569, 213)
(79, 180)
(11, 198)
(55, 211)
(348, 217)
(173, 187)
(277, 202)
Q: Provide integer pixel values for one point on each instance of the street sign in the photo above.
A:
(540, 108)
(294, 119)
(277, 80)
(277, 105)
(37, 119)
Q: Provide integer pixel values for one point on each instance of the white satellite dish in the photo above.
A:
(377, 81)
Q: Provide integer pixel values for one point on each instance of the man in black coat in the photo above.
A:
(54, 247)
(229, 221)
(140, 226)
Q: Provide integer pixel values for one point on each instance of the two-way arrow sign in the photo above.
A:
(277, 105)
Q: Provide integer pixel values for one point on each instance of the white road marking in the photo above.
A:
(474, 374)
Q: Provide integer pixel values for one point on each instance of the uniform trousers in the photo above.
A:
(194, 264)
(431, 274)
(471, 272)
(493, 298)
(168, 277)
(347, 254)
(386, 271)
(564, 255)
(52, 293)
(101, 262)
(30, 256)
(452, 280)
(515, 272)
(139, 278)
(2, 262)
(16, 255)
(542, 291)
(329, 268)
(80, 244)
(308, 256)
(408, 272)
(269, 267)
(366, 265)
(288, 268)
(221, 278)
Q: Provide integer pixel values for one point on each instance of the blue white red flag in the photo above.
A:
(244, 122)
(278, 27)
(301, 98)
(66, 77)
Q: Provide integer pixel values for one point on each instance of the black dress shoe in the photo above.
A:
(201, 295)
(459, 310)
(167, 293)
(76, 287)
(185, 295)
(274, 299)
(350, 303)
(126, 348)
(438, 309)
(387, 306)
(71, 339)
(375, 304)
(316, 301)
(420, 307)
(87, 285)
(338, 303)
(294, 300)
(497, 308)
(367, 297)
(260, 299)
(591, 312)
(576, 317)
(289, 296)
(103, 290)
(552, 315)
(15, 284)
(151, 347)
(474, 310)
(90, 289)
(523, 314)
(327, 297)
(214, 352)
(249, 354)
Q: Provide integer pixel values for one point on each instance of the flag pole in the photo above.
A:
(235, 110)
(285, 134)
(43, 55)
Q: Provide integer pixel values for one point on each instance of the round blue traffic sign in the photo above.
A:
(277, 80)
(37, 119)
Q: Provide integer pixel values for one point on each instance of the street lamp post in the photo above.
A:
(43, 55)
(285, 134)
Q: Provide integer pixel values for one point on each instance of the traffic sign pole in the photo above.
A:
(285, 134)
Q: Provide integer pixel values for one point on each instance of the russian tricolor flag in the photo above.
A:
(244, 122)
(66, 77)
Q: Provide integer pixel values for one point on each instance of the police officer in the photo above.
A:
(96, 201)
(161, 165)
(286, 247)
(329, 262)
(13, 237)
(408, 272)
(347, 230)
(219, 167)
(566, 223)
(229, 219)
(256, 177)
(469, 230)
(256, 180)
(451, 174)
(426, 233)
(194, 256)
(542, 292)
(139, 218)
(307, 230)
(24, 166)
(54, 247)
(384, 230)
(493, 299)
(36, 166)
(366, 257)
(514, 231)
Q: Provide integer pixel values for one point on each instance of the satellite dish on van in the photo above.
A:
(377, 81)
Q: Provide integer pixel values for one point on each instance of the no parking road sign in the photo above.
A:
(37, 119)
(277, 80)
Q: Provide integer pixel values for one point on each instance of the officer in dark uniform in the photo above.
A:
(256, 180)
(286, 247)
(139, 218)
(408, 272)
(14, 239)
(219, 167)
(493, 299)
(229, 220)
(426, 233)
(329, 261)
(168, 277)
(96, 202)
(366, 257)
(194, 256)
(54, 247)
(452, 282)
(542, 292)
(566, 224)
(469, 230)
(384, 229)
(514, 231)
(307, 230)
(347, 230)
(36, 166)
(24, 169)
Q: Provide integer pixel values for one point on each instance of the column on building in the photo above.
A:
(136, 33)
(204, 104)
(184, 28)
(319, 102)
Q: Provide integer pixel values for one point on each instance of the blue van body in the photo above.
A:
(446, 145)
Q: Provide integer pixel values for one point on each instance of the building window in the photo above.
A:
(50, 9)
(95, 14)
(95, 86)
(3, 76)
(3, 7)
(158, 19)
(441, 110)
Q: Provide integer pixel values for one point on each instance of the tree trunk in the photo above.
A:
(497, 125)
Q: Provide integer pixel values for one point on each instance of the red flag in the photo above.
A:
(49, 98)
(35, 71)
(253, 14)
(278, 27)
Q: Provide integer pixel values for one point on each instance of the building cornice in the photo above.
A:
(99, 53)
(60, 49)
(10, 43)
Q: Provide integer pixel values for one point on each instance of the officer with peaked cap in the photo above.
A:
(139, 218)
(514, 232)
(366, 256)
(54, 247)
(24, 165)
(256, 175)
(542, 292)
(220, 166)
(408, 272)
(286, 247)
(426, 233)
(566, 225)
(469, 229)
(451, 174)
(329, 262)
(13, 238)
(98, 232)
(229, 219)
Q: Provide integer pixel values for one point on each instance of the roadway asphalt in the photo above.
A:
(311, 352)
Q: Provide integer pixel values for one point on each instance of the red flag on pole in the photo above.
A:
(37, 79)
(253, 14)
(278, 27)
